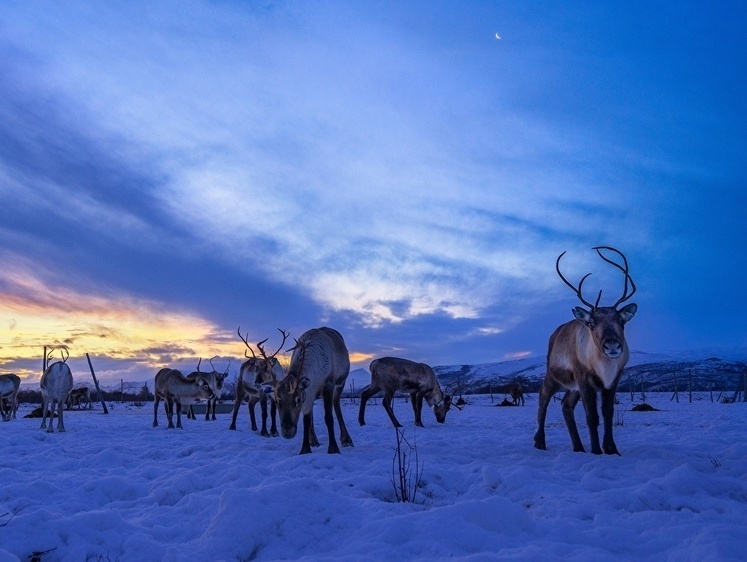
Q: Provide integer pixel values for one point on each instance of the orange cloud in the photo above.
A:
(34, 314)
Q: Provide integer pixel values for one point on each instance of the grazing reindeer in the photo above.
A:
(255, 374)
(587, 355)
(320, 365)
(9, 386)
(517, 394)
(217, 379)
(392, 374)
(173, 387)
(78, 395)
(55, 384)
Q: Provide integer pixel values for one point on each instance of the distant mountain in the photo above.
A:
(657, 372)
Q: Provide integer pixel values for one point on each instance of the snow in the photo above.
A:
(114, 488)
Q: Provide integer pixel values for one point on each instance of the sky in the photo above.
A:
(405, 172)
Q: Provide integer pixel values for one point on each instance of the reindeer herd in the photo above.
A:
(586, 356)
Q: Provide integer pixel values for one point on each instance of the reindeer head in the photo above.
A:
(290, 392)
(265, 369)
(203, 385)
(606, 323)
(440, 408)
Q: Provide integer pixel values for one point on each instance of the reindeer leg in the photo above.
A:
(589, 398)
(569, 402)
(169, 405)
(549, 388)
(365, 395)
(307, 425)
(345, 439)
(235, 413)
(608, 412)
(178, 414)
(44, 414)
(313, 439)
(387, 402)
(60, 421)
(52, 408)
(207, 409)
(328, 397)
(417, 398)
(273, 415)
(251, 414)
(263, 410)
(156, 400)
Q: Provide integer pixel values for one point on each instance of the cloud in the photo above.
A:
(115, 325)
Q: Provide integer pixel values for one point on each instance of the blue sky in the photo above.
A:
(170, 171)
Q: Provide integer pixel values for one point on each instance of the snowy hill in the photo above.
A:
(703, 371)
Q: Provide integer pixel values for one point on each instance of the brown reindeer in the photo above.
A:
(585, 356)
(9, 386)
(516, 391)
(392, 374)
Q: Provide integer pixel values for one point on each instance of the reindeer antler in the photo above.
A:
(244, 339)
(576, 290)
(623, 268)
(262, 351)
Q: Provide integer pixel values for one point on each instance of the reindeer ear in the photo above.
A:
(582, 314)
(627, 312)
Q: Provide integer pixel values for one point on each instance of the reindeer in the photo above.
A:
(9, 386)
(256, 373)
(173, 387)
(319, 366)
(585, 356)
(392, 374)
(517, 394)
(217, 379)
(78, 395)
(55, 384)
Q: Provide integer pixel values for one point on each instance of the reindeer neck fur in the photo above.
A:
(594, 360)
(435, 396)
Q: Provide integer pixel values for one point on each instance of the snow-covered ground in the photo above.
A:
(114, 488)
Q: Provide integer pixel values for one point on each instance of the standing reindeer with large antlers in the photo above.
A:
(254, 373)
(585, 356)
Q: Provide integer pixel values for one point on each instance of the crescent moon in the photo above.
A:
(497, 36)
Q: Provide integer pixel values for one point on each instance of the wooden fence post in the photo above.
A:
(96, 383)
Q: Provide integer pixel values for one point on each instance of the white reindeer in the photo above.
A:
(9, 386)
(392, 374)
(319, 366)
(255, 374)
(56, 383)
(173, 387)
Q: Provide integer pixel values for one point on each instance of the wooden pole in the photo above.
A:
(96, 383)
